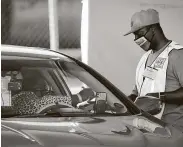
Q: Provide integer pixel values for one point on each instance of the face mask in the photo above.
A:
(143, 43)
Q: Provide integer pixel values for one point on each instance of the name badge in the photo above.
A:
(150, 72)
(159, 63)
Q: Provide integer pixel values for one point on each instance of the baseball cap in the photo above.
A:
(142, 19)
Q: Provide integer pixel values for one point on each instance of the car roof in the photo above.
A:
(34, 52)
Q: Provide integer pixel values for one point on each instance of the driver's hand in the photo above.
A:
(86, 103)
(82, 104)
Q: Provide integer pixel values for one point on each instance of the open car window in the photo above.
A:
(85, 85)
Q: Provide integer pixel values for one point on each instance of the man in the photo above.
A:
(159, 73)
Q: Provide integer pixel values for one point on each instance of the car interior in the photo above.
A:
(31, 88)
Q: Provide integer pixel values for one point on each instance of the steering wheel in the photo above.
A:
(57, 105)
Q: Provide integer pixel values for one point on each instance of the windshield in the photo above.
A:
(32, 86)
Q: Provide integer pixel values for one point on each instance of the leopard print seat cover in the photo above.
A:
(26, 102)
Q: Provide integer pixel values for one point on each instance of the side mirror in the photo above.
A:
(100, 103)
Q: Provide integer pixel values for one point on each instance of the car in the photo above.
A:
(39, 107)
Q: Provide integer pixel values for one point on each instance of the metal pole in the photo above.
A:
(85, 31)
(53, 24)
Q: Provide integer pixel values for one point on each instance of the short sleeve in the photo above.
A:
(177, 64)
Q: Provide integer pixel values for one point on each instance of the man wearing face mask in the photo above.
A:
(159, 74)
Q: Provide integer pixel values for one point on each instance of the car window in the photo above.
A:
(28, 85)
(42, 86)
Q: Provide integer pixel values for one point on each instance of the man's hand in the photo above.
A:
(132, 97)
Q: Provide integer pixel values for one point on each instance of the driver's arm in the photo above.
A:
(82, 96)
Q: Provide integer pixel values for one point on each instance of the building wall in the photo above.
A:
(114, 55)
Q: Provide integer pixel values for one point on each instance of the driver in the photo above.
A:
(36, 94)
(160, 72)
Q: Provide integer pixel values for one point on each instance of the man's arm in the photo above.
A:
(174, 97)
